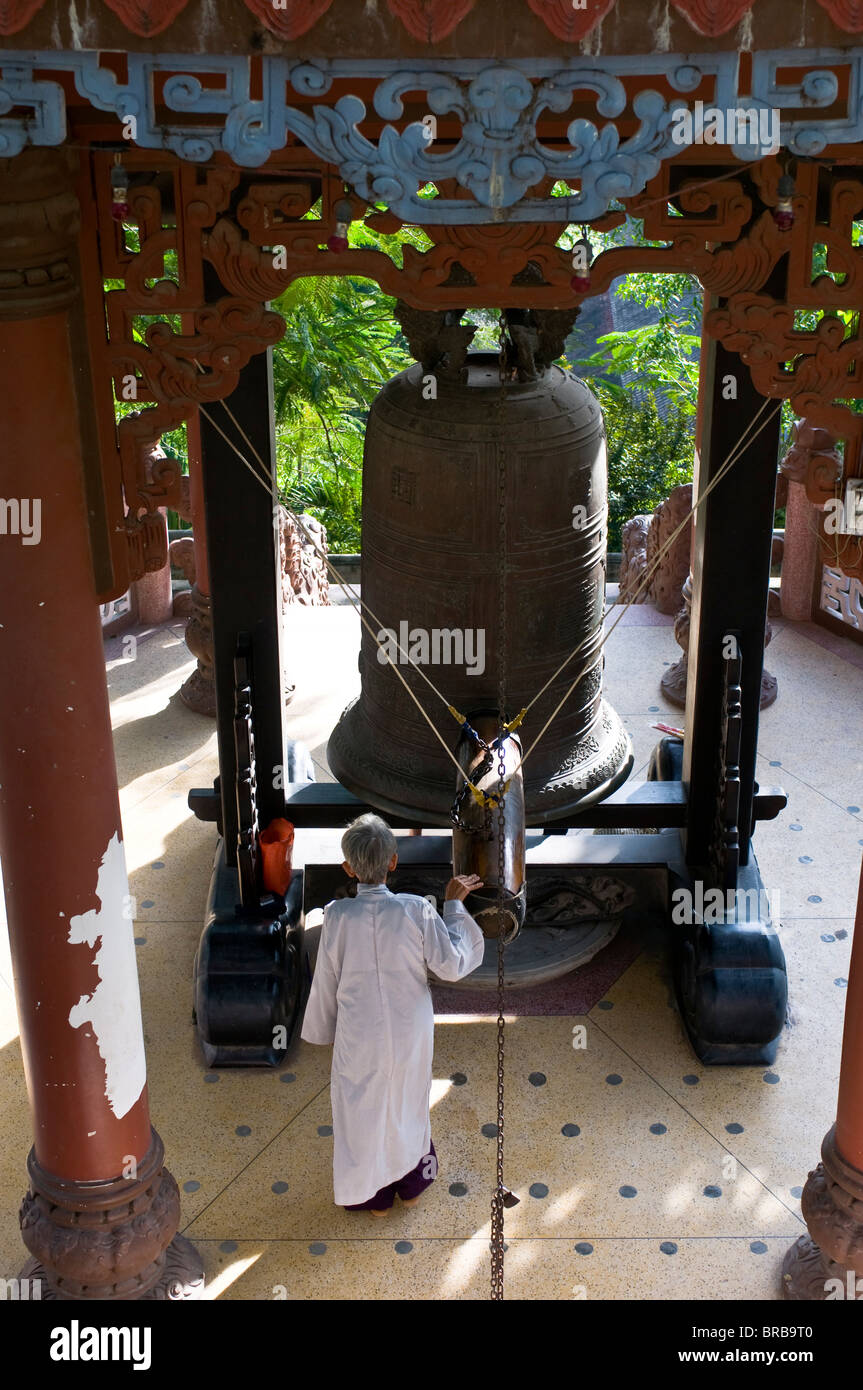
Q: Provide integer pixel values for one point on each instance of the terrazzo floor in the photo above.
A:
(641, 1174)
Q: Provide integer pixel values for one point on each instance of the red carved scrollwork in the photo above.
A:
(720, 230)
(147, 17)
(291, 21)
(180, 372)
(846, 14)
(568, 22)
(430, 20)
(712, 216)
(713, 17)
(824, 362)
(473, 265)
(14, 14)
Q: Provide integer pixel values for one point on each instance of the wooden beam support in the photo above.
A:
(245, 579)
(733, 532)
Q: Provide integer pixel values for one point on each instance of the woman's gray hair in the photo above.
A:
(368, 845)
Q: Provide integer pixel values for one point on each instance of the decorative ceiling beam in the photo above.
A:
(498, 160)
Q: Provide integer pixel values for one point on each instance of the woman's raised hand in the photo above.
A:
(461, 885)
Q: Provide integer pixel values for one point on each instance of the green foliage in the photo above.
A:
(341, 344)
(660, 357)
(648, 456)
(646, 380)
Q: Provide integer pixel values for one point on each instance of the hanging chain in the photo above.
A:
(497, 1204)
(481, 770)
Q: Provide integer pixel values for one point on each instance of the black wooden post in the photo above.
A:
(245, 580)
(731, 575)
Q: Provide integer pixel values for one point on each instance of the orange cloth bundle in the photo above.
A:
(276, 845)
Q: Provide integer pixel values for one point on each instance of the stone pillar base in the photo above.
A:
(673, 685)
(181, 1276)
(673, 682)
(808, 1276)
(827, 1263)
(198, 691)
(114, 1240)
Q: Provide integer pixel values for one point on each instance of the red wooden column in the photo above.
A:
(828, 1262)
(101, 1214)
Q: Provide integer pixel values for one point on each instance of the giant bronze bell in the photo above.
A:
(430, 572)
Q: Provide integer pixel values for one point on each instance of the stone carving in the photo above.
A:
(643, 538)
(826, 423)
(633, 562)
(668, 576)
(181, 555)
(304, 570)
(183, 1275)
(670, 582)
(146, 542)
(806, 1271)
(813, 460)
(304, 580)
(198, 691)
(673, 681)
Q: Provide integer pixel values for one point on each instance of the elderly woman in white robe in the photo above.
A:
(370, 999)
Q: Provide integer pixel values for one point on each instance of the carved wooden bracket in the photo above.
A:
(721, 230)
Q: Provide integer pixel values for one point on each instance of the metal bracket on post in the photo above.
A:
(246, 780)
(724, 857)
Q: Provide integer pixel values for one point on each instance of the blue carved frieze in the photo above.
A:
(498, 158)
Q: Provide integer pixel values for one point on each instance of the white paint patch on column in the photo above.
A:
(114, 1007)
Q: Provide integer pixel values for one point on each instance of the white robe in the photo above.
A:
(370, 998)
